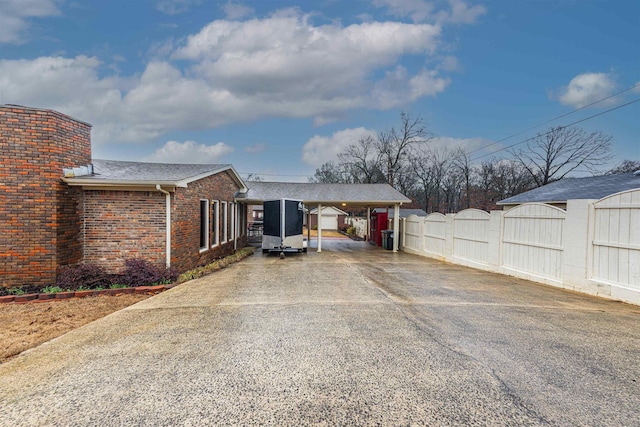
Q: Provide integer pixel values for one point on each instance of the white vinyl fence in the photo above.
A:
(471, 235)
(593, 246)
(616, 241)
(532, 240)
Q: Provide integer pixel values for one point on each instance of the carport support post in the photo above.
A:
(396, 227)
(368, 233)
(319, 227)
(308, 228)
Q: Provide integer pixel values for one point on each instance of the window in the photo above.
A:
(225, 222)
(242, 225)
(204, 225)
(215, 226)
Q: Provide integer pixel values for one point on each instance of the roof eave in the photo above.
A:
(503, 203)
(111, 183)
(234, 175)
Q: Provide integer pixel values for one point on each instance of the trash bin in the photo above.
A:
(390, 240)
(385, 238)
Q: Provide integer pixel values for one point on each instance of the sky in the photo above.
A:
(277, 88)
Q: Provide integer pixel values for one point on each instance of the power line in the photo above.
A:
(563, 126)
(555, 118)
(515, 134)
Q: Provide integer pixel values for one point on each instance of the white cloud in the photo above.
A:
(463, 13)
(174, 7)
(15, 16)
(234, 10)
(460, 12)
(467, 144)
(189, 152)
(321, 149)
(256, 148)
(279, 66)
(586, 88)
(417, 10)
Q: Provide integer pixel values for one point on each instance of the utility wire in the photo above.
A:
(518, 133)
(554, 119)
(563, 126)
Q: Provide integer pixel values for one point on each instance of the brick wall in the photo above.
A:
(120, 225)
(185, 253)
(39, 215)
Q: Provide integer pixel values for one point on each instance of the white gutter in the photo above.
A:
(168, 220)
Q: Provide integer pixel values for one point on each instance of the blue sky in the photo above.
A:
(279, 87)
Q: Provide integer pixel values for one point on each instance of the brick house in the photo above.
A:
(178, 214)
(60, 207)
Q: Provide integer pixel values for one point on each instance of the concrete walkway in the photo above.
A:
(353, 336)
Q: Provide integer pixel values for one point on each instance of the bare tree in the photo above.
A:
(363, 161)
(510, 178)
(625, 167)
(394, 146)
(552, 155)
(430, 167)
(329, 173)
(462, 162)
(254, 177)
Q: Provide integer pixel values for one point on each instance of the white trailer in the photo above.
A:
(282, 226)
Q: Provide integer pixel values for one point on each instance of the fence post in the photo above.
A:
(494, 257)
(575, 242)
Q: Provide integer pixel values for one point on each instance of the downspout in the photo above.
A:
(168, 220)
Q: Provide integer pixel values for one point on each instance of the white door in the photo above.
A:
(329, 222)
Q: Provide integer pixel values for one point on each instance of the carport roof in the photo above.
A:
(325, 194)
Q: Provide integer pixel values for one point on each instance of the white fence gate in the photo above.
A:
(532, 240)
(616, 242)
(471, 235)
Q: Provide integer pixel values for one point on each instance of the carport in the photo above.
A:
(338, 195)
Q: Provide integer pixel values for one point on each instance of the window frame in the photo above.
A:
(215, 223)
(204, 225)
(225, 221)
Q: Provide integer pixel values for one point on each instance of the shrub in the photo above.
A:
(141, 272)
(52, 290)
(351, 231)
(87, 276)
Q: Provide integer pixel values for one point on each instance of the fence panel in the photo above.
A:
(471, 235)
(412, 233)
(532, 239)
(434, 237)
(616, 242)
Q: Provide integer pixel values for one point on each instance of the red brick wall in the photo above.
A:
(39, 216)
(185, 253)
(120, 225)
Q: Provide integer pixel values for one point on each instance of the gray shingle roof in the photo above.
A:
(129, 173)
(594, 187)
(404, 212)
(139, 171)
(310, 193)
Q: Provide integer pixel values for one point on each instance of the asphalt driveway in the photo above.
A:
(355, 335)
